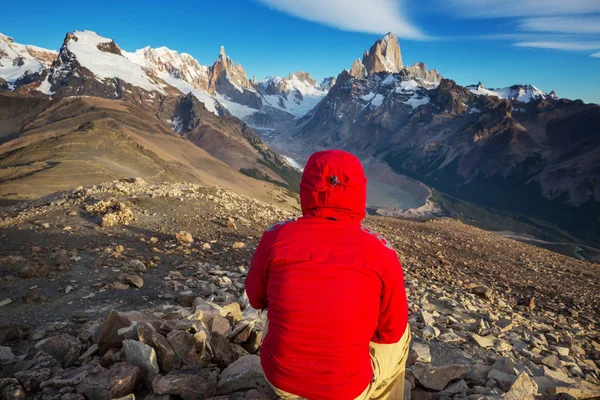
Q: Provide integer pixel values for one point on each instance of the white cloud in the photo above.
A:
(579, 24)
(372, 16)
(523, 8)
(575, 46)
(597, 55)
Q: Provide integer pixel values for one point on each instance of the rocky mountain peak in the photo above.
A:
(327, 83)
(222, 54)
(428, 78)
(22, 64)
(303, 77)
(358, 69)
(383, 56)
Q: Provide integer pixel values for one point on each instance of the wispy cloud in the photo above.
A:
(597, 55)
(523, 8)
(373, 16)
(574, 46)
(579, 24)
(570, 25)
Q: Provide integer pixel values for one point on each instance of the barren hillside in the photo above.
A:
(489, 315)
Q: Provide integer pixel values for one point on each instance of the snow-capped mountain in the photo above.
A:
(522, 93)
(89, 64)
(297, 94)
(22, 64)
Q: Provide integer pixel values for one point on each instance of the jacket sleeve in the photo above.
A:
(256, 281)
(393, 310)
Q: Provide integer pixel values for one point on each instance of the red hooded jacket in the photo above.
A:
(330, 286)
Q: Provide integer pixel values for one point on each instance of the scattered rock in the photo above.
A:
(164, 352)
(189, 383)
(142, 356)
(111, 212)
(483, 291)
(133, 280)
(115, 320)
(437, 378)
(420, 352)
(524, 388)
(184, 237)
(244, 373)
(64, 348)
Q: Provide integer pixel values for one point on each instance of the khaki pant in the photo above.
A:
(389, 364)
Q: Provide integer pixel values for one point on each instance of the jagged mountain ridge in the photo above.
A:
(522, 93)
(518, 148)
(223, 87)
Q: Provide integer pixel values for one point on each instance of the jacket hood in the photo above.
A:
(334, 186)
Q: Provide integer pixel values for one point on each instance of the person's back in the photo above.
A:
(331, 287)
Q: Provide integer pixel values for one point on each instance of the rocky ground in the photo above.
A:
(130, 290)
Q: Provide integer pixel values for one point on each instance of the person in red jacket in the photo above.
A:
(334, 291)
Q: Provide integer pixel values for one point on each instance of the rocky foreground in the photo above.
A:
(129, 290)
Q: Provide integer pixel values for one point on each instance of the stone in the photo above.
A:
(93, 349)
(5, 302)
(11, 389)
(186, 300)
(527, 302)
(244, 373)
(562, 351)
(33, 270)
(232, 312)
(164, 352)
(451, 337)
(64, 348)
(73, 377)
(524, 388)
(142, 356)
(254, 342)
(503, 379)
(6, 354)
(132, 280)
(184, 347)
(551, 361)
(224, 352)
(504, 324)
(220, 325)
(112, 356)
(506, 365)
(115, 320)
(238, 245)
(184, 237)
(437, 378)
(120, 380)
(427, 317)
(137, 265)
(420, 352)
(129, 332)
(483, 291)
(128, 397)
(430, 332)
(478, 373)
(189, 383)
(241, 332)
(491, 342)
(458, 388)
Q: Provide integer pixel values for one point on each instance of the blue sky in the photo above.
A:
(548, 43)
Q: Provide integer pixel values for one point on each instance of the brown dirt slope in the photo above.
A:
(85, 141)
